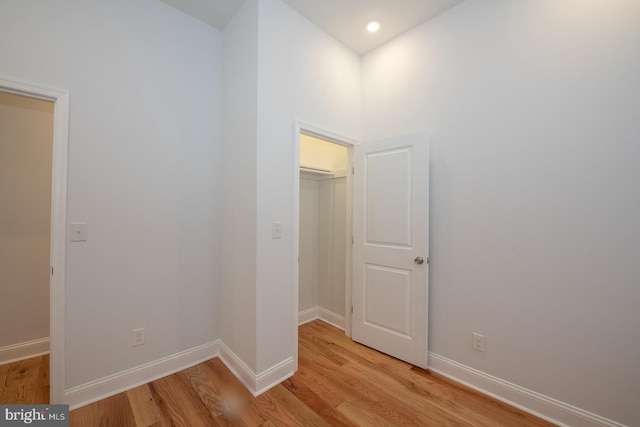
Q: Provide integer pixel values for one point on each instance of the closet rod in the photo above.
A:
(315, 170)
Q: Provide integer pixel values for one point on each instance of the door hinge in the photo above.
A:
(428, 260)
(52, 271)
(351, 309)
(352, 240)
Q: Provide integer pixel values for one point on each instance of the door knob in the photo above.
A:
(418, 260)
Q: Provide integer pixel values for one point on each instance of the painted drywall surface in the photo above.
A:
(309, 275)
(320, 154)
(309, 77)
(239, 151)
(26, 137)
(533, 109)
(144, 171)
(332, 242)
(323, 240)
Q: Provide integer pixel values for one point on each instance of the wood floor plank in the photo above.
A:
(112, 411)
(283, 408)
(382, 386)
(145, 411)
(297, 407)
(41, 388)
(235, 394)
(374, 400)
(330, 387)
(319, 405)
(468, 396)
(180, 403)
(223, 401)
(360, 417)
(5, 384)
(410, 388)
(25, 381)
(330, 338)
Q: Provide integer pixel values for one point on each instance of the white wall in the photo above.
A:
(533, 109)
(271, 80)
(309, 77)
(323, 240)
(26, 136)
(308, 276)
(332, 242)
(144, 170)
(320, 154)
(239, 150)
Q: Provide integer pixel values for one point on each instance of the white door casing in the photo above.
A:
(391, 235)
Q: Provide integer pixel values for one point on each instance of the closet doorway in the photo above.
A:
(26, 146)
(324, 264)
(57, 231)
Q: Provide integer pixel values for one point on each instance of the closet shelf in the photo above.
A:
(315, 171)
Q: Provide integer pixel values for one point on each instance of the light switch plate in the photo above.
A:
(78, 232)
(276, 230)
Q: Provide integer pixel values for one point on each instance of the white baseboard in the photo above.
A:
(323, 314)
(24, 350)
(256, 384)
(331, 318)
(274, 375)
(307, 315)
(537, 404)
(241, 371)
(125, 380)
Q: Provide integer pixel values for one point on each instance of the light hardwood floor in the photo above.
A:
(339, 383)
(25, 381)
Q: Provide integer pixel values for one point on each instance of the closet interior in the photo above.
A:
(323, 230)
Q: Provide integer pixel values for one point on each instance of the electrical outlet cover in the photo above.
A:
(137, 337)
(477, 342)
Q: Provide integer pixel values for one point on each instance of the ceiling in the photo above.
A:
(345, 20)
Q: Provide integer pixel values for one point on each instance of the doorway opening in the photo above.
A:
(386, 284)
(322, 199)
(26, 140)
(323, 231)
(57, 201)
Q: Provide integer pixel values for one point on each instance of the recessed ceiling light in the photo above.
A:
(373, 26)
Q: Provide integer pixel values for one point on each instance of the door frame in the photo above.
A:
(60, 99)
(301, 127)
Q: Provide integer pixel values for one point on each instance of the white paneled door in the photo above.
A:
(391, 246)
